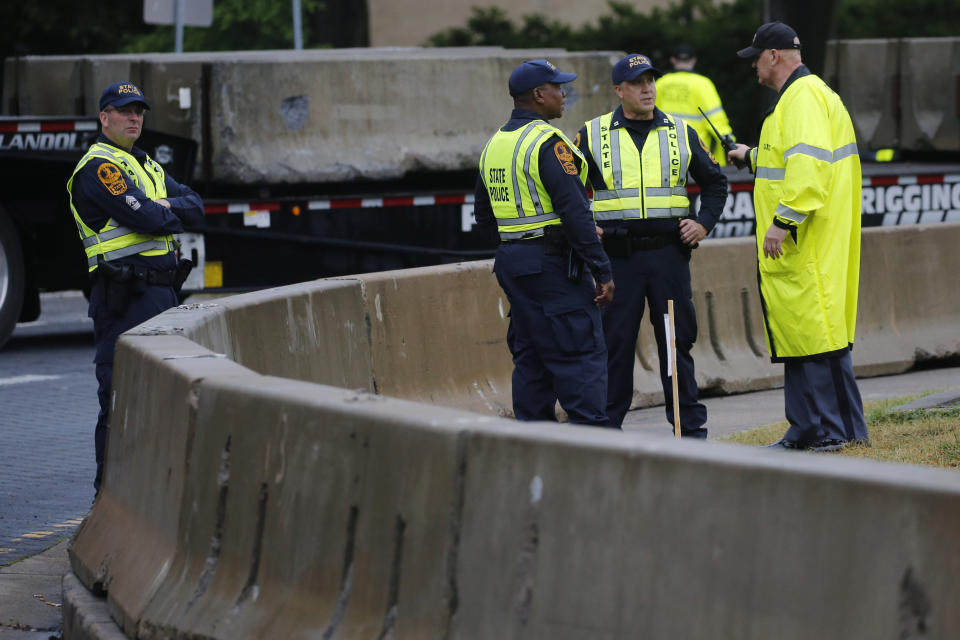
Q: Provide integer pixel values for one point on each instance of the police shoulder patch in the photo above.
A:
(112, 178)
(565, 156)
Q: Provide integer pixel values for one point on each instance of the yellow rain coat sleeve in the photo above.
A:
(807, 143)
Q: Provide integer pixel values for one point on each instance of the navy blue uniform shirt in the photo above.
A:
(569, 198)
(96, 204)
(706, 173)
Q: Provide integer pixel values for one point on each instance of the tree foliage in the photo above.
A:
(896, 19)
(238, 25)
(46, 27)
(715, 29)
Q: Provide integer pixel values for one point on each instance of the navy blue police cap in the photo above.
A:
(121, 93)
(684, 51)
(533, 73)
(631, 67)
(773, 35)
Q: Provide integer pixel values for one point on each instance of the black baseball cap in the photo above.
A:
(773, 35)
(684, 51)
(631, 67)
(121, 93)
(533, 73)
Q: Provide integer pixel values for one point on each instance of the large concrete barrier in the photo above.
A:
(150, 437)
(438, 335)
(309, 511)
(241, 504)
(313, 116)
(908, 99)
(909, 300)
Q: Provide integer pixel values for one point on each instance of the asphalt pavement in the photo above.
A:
(30, 589)
(48, 407)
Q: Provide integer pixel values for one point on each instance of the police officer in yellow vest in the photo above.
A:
(639, 159)
(126, 209)
(807, 203)
(531, 188)
(684, 92)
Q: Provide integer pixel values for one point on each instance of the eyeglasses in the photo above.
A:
(136, 108)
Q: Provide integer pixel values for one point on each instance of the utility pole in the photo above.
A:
(178, 25)
(196, 13)
(297, 25)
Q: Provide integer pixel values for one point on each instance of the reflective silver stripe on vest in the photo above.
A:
(684, 152)
(483, 164)
(809, 150)
(517, 200)
(615, 158)
(531, 183)
(786, 212)
(687, 116)
(107, 150)
(150, 245)
(655, 192)
(664, 157)
(668, 212)
(714, 111)
(511, 222)
(617, 214)
(106, 235)
(520, 235)
(623, 214)
(612, 194)
(845, 151)
(768, 173)
(665, 153)
(596, 145)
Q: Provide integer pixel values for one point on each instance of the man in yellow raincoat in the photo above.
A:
(807, 204)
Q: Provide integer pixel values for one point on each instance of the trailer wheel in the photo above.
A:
(11, 277)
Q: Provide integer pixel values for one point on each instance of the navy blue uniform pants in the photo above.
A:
(106, 328)
(652, 277)
(555, 337)
(822, 401)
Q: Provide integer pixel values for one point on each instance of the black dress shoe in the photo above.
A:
(783, 443)
(828, 444)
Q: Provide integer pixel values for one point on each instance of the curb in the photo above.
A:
(943, 400)
(85, 615)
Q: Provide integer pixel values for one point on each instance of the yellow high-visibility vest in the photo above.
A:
(683, 94)
(510, 167)
(646, 185)
(114, 241)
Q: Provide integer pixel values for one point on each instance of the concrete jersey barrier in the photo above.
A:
(241, 504)
(313, 116)
(438, 334)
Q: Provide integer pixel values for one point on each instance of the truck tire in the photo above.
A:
(11, 277)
